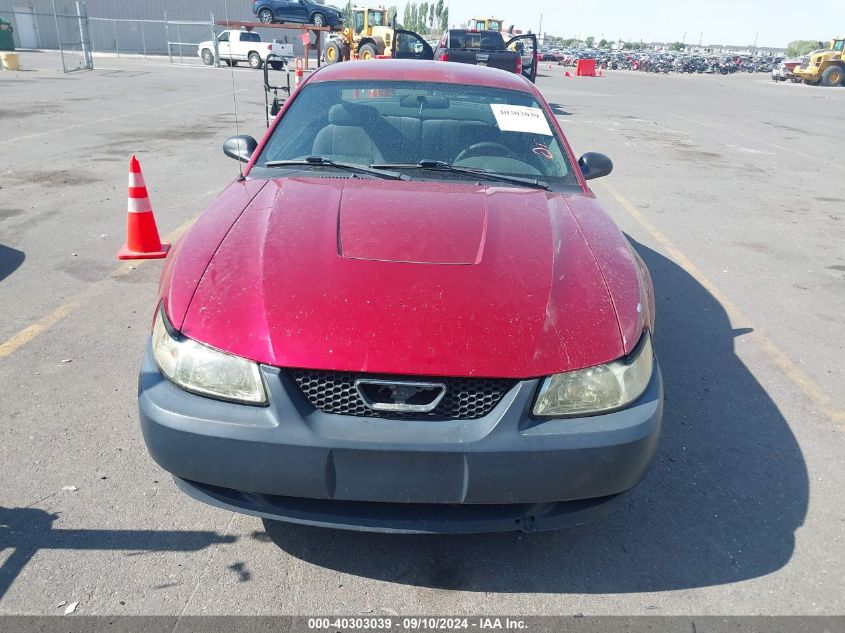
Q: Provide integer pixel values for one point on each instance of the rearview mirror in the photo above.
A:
(240, 147)
(595, 165)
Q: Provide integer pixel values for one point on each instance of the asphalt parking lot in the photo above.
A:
(731, 188)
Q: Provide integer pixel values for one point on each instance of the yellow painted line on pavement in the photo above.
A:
(789, 367)
(27, 334)
(23, 337)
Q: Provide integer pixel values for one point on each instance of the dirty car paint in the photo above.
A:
(415, 278)
(529, 301)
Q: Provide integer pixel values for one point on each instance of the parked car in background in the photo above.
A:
(567, 58)
(547, 55)
(784, 70)
(299, 11)
(244, 46)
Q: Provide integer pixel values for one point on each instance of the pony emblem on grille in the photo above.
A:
(402, 396)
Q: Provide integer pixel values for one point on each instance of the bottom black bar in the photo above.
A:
(414, 623)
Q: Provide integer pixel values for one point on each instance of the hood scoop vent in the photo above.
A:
(404, 227)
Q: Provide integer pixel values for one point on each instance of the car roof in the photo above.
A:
(421, 71)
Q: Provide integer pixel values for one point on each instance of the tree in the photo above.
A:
(426, 17)
(391, 13)
(603, 43)
(438, 14)
(677, 46)
(589, 41)
(347, 14)
(413, 24)
(799, 48)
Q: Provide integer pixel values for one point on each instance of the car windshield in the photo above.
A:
(476, 39)
(404, 123)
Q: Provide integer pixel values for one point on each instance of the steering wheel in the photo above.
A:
(485, 148)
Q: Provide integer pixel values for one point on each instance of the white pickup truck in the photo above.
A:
(244, 46)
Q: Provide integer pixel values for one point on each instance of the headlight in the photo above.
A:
(198, 368)
(599, 388)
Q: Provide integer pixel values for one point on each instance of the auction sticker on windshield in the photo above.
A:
(514, 118)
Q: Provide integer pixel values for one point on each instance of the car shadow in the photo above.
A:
(10, 260)
(721, 503)
(557, 110)
(25, 531)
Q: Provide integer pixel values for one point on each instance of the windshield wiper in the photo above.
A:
(320, 161)
(439, 165)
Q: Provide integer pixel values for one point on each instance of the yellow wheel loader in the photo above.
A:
(825, 66)
(369, 36)
(487, 24)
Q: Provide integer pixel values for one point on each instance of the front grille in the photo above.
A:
(465, 398)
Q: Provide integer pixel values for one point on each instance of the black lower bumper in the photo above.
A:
(406, 518)
(503, 471)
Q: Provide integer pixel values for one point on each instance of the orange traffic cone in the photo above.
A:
(599, 72)
(142, 240)
(567, 74)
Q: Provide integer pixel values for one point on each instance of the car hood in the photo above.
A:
(422, 278)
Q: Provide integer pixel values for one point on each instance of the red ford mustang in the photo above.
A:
(411, 315)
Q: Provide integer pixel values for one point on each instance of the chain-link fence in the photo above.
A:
(74, 38)
(140, 37)
(57, 24)
(185, 36)
(65, 26)
(178, 39)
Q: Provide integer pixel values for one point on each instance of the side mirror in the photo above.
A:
(595, 165)
(240, 147)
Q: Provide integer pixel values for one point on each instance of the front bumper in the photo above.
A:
(503, 471)
(807, 72)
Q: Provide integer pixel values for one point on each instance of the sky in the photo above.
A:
(735, 22)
